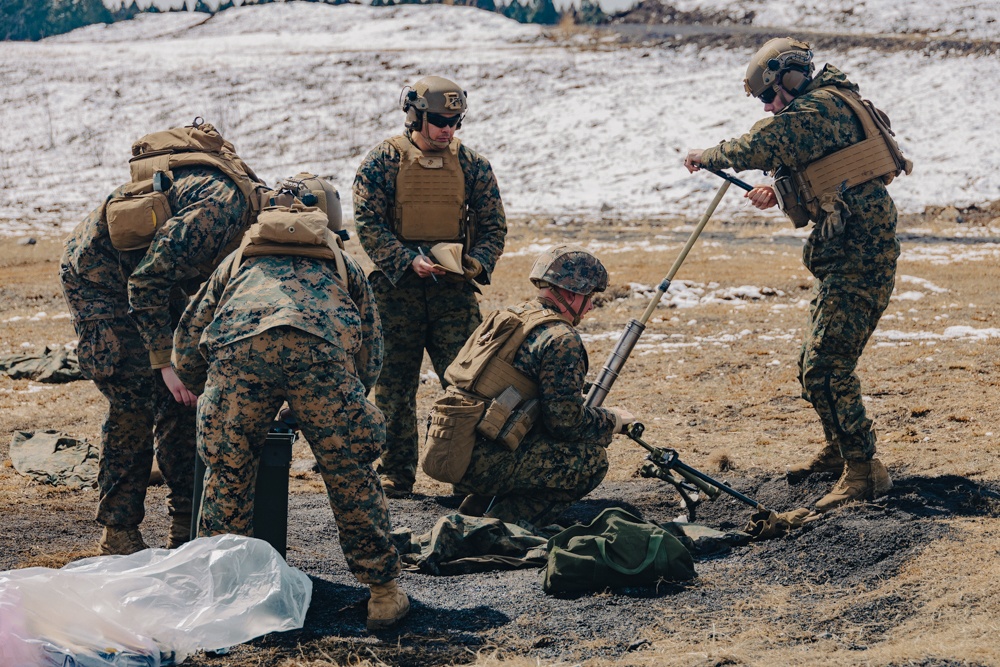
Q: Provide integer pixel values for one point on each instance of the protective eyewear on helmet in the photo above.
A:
(767, 95)
(440, 120)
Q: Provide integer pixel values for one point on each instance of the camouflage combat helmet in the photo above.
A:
(432, 94)
(781, 61)
(315, 191)
(570, 267)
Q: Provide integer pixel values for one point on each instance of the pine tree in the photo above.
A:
(228, 4)
(516, 11)
(24, 19)
(66, 15)
(590, 13)
(200, 6)
(543, 12)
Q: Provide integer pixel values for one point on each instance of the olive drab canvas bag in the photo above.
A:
(139, 208)
(487, 395)
(615, 550)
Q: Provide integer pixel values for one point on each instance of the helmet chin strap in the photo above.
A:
(577, 315)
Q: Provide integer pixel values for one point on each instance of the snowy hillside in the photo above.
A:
(572, 126)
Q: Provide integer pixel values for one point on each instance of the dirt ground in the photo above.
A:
(907, 580)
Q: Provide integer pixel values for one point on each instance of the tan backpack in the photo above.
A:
(487, 395)
(295, 230)
(141, 208)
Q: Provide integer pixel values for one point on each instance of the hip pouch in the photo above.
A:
(135, 215)
(451, 436)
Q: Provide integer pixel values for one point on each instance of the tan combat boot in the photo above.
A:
(862, 480)
(121, 541)
(387, 605)
(180, 530)
(828, 460)
(394, 488)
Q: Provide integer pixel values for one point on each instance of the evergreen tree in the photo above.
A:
(543, 12)
(228, 4)
(200, 6)
(516, 11)
(24, 19)
(67, 15)
(590, 13)
(488, 5)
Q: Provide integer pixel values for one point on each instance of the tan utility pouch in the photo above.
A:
(451, 437)
(295, 225)
(134, 217)
(519, 424)
(498, 412)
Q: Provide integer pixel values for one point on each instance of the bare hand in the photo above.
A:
(762, 197)
(177, 388)
(693, 160)
(424, 267)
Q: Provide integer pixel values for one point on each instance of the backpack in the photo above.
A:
(487, 395)
(615, 550)
(141, 206)
(292, 230)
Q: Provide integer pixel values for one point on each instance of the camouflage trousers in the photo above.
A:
(142, 417)
(843, 315)
(535, 482)
(247, 383)
(417, 314)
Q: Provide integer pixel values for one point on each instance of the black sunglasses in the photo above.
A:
(439, 120)
(768, 95)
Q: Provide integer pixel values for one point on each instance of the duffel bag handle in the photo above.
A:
(654, 547)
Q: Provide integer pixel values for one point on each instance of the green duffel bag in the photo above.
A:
(615, 550)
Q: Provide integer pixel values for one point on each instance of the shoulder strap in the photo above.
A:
(332, 252)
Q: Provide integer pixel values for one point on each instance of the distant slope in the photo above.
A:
(573, 125)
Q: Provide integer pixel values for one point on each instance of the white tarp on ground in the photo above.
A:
(211, 593)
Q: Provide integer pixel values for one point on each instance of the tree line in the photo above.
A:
(35, 19)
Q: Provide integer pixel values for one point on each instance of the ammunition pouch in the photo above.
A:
(135, 215)
(787, 193)
(451, 436)
(519, 424)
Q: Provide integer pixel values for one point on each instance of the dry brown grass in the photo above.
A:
(725, 405)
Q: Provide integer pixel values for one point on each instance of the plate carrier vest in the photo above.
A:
(801, 193)
(430, 193)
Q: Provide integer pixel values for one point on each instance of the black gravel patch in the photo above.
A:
(854, 548)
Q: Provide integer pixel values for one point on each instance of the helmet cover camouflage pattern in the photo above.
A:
(772, 61)
(570, 267)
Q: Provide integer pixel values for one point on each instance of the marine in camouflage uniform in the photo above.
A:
(124, 306)
(563, 457)
(284, 328)
(854, 266)
(421, 309)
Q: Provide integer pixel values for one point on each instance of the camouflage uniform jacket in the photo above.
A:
(100, 281)
(375, 197)
(813, 125)
(554, 357)
(272, 291)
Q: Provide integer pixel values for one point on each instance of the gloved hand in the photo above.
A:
(471, 267)
(622, 418)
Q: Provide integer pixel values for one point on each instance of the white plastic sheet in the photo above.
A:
(152, 608)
